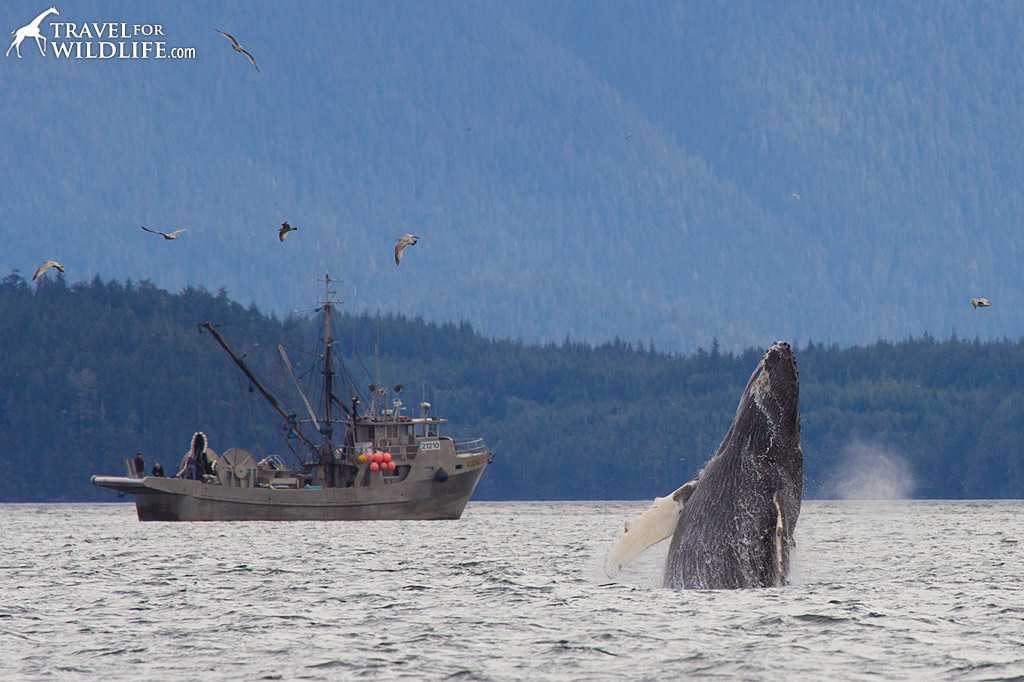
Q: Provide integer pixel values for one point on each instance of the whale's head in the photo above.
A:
(773, 391)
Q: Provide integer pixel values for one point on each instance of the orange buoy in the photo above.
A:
(392, 466)
(378, 457)
(374, 466)
(387, 456)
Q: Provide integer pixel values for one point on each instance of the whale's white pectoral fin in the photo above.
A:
(653, 526)
(780, 540)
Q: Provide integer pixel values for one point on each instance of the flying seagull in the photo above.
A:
(46, 266)
(629, 136)
(980, 303)
(238, 48)
(402, 243)
(165, 235)
(284, 230)
(794, 195)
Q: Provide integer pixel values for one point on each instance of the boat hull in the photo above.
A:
(177, 499)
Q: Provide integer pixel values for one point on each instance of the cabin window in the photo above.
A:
(392, 432)
(408, 431)
(432, 430)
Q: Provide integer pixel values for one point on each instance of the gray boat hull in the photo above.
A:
(178, 499)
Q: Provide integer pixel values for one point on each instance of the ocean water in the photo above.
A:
(512, 591)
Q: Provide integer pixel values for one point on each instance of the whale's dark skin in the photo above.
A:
(735, 529)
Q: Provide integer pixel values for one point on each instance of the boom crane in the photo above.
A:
(289, 419)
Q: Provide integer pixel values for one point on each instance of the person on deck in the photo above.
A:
(158, 470)
(140, 465)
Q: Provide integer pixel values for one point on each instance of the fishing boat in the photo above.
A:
(385, 465)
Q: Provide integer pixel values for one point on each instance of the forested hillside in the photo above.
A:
(92, 372)
(673, 170)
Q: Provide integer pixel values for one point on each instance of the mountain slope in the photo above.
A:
(499, 134)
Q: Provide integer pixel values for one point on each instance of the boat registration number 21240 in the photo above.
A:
(430, 445)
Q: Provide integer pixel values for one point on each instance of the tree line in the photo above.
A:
(92, 372)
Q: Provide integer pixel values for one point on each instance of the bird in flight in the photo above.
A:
(980, 303)
(794, 195)
(46, 266)
(238, 48)
(402, 243)
(165, 235)
(284, 230)
(629, 136)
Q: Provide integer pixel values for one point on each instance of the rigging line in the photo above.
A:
(309, 376)
(349, 378)
(311, 369)
(199, 389)
(298, 351)
(366, 370)
(362, 364)
(351, 384)
(248, 412)
(295, 455)
(280, 395)
(304, 312)
(274, 416)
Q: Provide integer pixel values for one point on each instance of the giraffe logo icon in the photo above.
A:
(31, 31)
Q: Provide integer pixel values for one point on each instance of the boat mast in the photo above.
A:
(328, 306)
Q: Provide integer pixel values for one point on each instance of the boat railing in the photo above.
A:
(397, 451)
(408, 451)
(469, 446)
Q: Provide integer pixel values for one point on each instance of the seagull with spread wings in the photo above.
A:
(165, 235)
(238, 48)
(403, 242)
(283, 231)
(46, 266)
(980, 303)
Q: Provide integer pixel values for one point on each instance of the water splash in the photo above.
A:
(873, 471)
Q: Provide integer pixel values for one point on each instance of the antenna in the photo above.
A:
(199, 389)
(376, 353)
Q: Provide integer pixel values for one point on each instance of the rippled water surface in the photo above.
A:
(512, 591)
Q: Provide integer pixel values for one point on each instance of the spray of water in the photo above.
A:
(873, 471)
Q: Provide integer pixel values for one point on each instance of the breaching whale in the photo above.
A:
(732, 526)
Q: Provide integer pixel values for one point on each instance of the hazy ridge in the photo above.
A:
(895, 125)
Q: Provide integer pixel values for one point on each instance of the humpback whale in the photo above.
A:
(732, 526)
